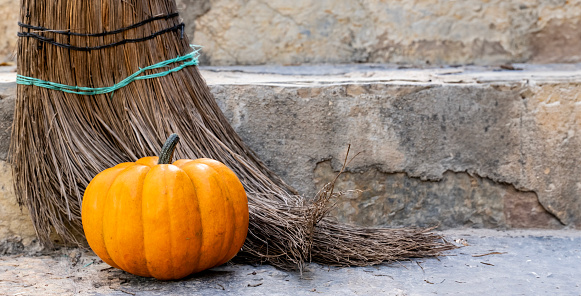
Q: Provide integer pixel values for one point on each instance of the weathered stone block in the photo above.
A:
(16, 229)
(513, 132)
(10, 11)
(414, 32)
(7, 97)
(245, 32)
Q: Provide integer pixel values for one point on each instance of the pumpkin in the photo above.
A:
(156, 219)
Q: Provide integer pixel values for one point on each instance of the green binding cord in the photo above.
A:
(190, 59)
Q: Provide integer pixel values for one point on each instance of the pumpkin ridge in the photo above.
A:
(224, 200)
(121, 259)
(232, 183)
(149, 266)
(170, 220)
(225, 190)
(103, 224)
(114, 170)
(203, 182)
(190, 268)
(201, 238)
(143, 228)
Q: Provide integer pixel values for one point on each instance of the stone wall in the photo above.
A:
(10, 11)
(379, 31)
(419, 32)
(483, 155)
(15, 225)
(16, 228)
(455, 147)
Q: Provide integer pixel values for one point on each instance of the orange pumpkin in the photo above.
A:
(165, 220)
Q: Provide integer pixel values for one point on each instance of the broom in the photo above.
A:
(78, 113)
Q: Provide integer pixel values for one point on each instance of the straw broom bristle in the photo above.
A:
(60, 141)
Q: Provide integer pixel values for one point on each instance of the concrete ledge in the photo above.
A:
(463, 147)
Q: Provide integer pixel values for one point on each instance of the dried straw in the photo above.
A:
(60, 141)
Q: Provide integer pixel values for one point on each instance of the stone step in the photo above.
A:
(480, 147)
(466, 146)
(251, 32)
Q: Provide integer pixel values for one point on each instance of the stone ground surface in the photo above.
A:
(492, 263)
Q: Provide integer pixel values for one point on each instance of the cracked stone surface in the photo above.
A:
(419, 32)
(508, 127)
(456, 146)
(458, 199)
(488, 263)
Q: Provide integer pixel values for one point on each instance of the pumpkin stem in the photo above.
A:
(166, 154)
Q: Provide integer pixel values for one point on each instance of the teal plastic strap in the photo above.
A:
(191, 59)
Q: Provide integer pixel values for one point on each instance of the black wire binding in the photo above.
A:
(68, 32)
(179, 27)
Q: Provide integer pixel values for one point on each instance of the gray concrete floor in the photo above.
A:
(492, 263)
